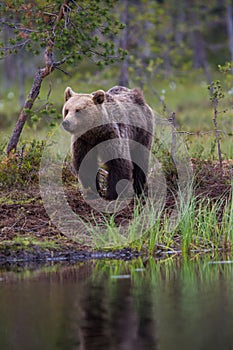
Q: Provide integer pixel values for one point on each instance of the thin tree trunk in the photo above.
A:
(217, 134)
(179, 18)
(21, 76)
(34, 92)
(9, 66)
(50, 65)
(229, 22)
(124, 73)
(200, 57)
(197, 39)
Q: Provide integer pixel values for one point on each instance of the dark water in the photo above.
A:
(118, 305)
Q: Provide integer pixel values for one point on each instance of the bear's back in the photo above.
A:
(123, 94)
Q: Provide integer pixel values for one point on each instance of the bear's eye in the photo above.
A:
(77, 110)
(66, 112)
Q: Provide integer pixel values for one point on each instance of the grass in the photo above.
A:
(207, 225)
(201, 225)
(204, 224)
(22, 243)
(130, 232)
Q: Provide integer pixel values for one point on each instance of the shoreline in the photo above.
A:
(27, 233)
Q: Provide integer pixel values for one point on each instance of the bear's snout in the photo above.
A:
(66, 124)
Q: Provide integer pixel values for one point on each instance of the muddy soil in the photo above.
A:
(27, 233)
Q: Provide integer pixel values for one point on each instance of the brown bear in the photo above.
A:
(115, 128)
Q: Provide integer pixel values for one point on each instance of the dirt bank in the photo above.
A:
(27, 233)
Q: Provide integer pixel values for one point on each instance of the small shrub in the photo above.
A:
(21, 167)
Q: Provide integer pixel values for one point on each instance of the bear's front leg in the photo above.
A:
(85, 164)
(118, 169)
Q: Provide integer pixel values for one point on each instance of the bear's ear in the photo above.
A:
(68, 93)
(98, 97)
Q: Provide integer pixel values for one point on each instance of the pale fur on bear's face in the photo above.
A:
(78, 107)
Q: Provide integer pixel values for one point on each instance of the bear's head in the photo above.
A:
(81, 111)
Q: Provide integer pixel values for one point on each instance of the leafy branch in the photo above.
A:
(68, 31)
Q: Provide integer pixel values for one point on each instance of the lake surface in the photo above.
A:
(141, 304)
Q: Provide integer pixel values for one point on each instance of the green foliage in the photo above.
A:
(21, 168)
(74, 29)
(44, 116)
(227, 70)
(216, 91)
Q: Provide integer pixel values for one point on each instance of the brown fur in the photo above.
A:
(136, 124)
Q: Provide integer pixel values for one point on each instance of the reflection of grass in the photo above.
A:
(42, 270)
(141, 270)
(156, 271)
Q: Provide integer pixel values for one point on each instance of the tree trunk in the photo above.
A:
(33, 94)
(50, 65)
(124, 73)
(229, 22)
(9, 71)
(35, 90)
(179, 17)
(21, 77)
(200, 57)
(199, 47)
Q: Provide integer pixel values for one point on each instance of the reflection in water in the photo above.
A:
(118, 305)
(114, 320)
